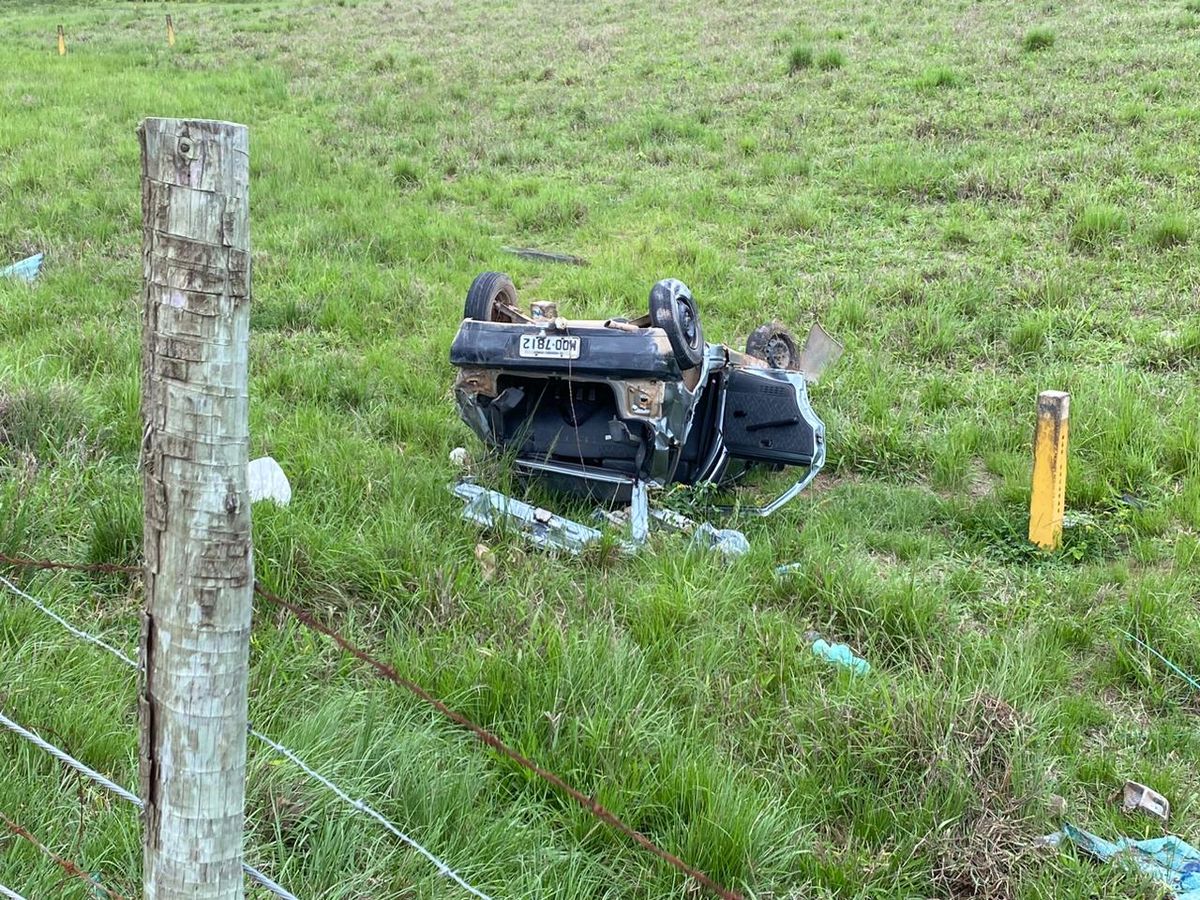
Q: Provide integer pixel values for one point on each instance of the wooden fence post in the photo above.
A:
(199, 571)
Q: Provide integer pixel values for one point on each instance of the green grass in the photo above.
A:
(1096, 226)
(1171, 230)
(801, 57)
(938, 77)
(829, 59)
(1040, 38)
(976, 224)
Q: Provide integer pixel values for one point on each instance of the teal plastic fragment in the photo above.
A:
(27, 269)
(1170, 860)
(841, 655)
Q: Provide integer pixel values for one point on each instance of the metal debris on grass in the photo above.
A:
(726, 541)
(26, 269)
(546, 256)
(1151, 802)
(492, 509)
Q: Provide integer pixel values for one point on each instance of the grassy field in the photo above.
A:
(981, 200)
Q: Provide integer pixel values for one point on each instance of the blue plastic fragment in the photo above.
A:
(840, 655)
(1169, 859)
(27, 269)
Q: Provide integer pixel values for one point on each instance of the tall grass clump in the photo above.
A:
(801, 57)
(938, 77)
(40, 421)
(1040, 38)
(831, 59)
(405, 172)
(1172, 230)
(799, 217)
(1096, 225)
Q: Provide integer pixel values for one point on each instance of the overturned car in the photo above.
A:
(609, 408)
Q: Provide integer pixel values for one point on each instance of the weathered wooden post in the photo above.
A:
(199, 574)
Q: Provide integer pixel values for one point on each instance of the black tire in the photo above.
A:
(674, 311)
(774, 345)
(488, 291)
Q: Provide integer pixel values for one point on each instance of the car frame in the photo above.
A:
(610, 408)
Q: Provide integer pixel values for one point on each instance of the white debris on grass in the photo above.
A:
(266, 481)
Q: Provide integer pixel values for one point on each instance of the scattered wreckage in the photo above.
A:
(611, 408)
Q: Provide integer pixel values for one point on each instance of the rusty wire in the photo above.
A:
(591, 804)
(65, 864)
(388, 673)
(286, 752)
(96, 568)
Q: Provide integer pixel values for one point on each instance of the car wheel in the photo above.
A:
(489, 293)
(773, 344)
(674, 311)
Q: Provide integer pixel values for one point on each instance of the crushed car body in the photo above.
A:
(608, 408)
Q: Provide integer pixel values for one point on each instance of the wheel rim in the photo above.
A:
(688, 322)
(779, 354)
(497, 313)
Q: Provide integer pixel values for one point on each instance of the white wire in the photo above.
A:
(10, 894)
(67, 759)
(289, 754)
(364, 808)
(266, 882)
(64, 757)
(82, 635)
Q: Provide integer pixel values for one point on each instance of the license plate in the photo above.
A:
(549, 346)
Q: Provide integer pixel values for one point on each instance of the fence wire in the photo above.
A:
(119, 791)
(590, 804)
(387, 672)
(286, 752)
(72, 869)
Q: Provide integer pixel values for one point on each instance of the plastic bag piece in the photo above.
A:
(26, 270)
(1170, 860)
(265, 481)
(727, 541)
(841, 655)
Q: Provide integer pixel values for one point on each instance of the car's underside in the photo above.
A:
(608, 407)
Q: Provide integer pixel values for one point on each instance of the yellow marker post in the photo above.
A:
(62, 41)
(1049, 497)
(170, 32)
